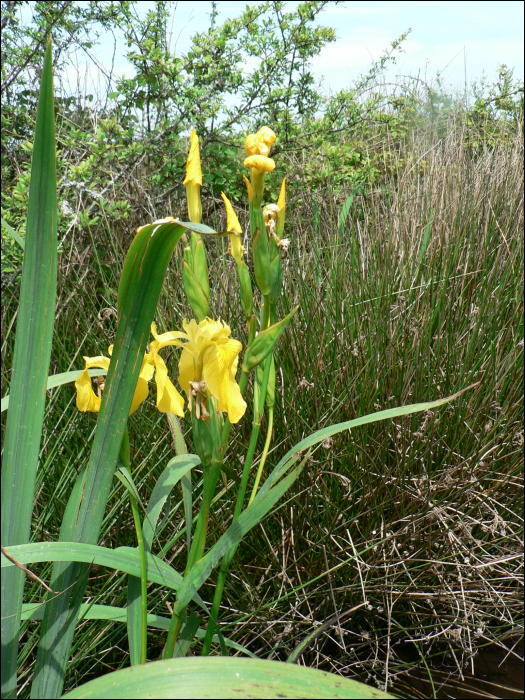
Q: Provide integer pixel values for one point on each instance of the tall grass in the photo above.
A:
(409, 532)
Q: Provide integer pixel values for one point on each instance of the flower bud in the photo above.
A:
(246, 289)
(261, 262)
(197, 297)
(193, 181)
(264, 344)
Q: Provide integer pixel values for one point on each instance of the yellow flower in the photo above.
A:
(193, 181)
(209, 360)
(87, 400)
(249, 189)
(259, 144)
(260, 163)
(234, 229)
(168, 398)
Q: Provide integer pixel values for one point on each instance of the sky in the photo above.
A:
(455, 39)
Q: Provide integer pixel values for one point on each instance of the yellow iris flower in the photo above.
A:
(257, 149)
(87, 400)
(259, 144)
(168, 398)
(209, 360)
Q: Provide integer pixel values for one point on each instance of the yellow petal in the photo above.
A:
(140, 395)
(98, 362)
(232, 224)
(193, 166)
(87, 400)
(266, 138)
(217, 373)
(249, 188)
(251, 145)
(186, 371)
(260, 163)
(168, 398)
(165, 339)
(281, 202)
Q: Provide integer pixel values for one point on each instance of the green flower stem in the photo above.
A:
(264, 454)
(143, 576)
(225, 563)
(210, 475)
(217, 598)
(258, 413)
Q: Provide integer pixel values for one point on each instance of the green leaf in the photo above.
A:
(343, 214)
(34, 333)
(176, 469)
(124, 559)
(223, 677)
(170, 477)
(14, 234)
(185, 482)
(253, 514)
(141, 281)
(35, 611)
(125, 478)
(187, 635)
(320, 435)
(59, 379)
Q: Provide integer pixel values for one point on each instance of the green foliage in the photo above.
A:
(409, 291)
(129, 143)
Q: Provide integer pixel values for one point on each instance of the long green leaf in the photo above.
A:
(170, 477)
(139, 290)
(253, 514)
(320, 435)
(185, 482)
(124, 559)
(34, 333)
(59, 379)
(176, 469)
(187, 635)
(88, 611)
(223, 677)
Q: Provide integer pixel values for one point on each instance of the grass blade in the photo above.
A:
(88, 611)
(253, 514)
(32, 353)
(14, 234)
(177, 468)
(315, 438)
